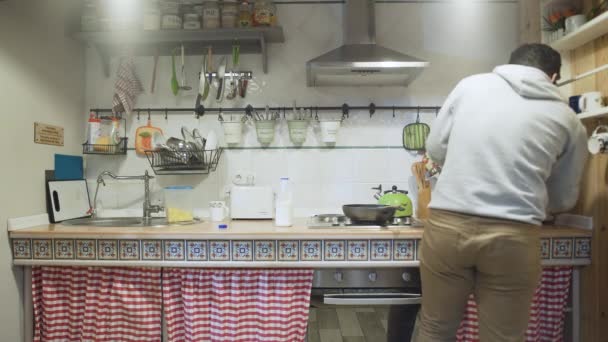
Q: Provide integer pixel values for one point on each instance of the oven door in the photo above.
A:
(374, 305)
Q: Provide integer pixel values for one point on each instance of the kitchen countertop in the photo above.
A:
(246, 229)
(252, 243)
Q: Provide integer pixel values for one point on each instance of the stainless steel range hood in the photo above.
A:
(360, 61)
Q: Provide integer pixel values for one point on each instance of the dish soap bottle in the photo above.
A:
(284, 206)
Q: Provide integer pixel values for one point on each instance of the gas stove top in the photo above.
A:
(341, 221)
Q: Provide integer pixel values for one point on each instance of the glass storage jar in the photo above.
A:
(229, 13)
(171, 19)
(211, 14)
(263, 13)
(88, 18)
(179, 203)
(192, 20)
(151, 16)
(245, 15)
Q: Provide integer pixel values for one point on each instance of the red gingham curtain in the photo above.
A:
(236, 304)
(546, 314)
(96, 304)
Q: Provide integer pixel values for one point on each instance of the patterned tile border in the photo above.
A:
(22, 249)
(174, 250)
(64, 249)
(242, 250)
(545, 249)
(288, 250)
(264, 250)
(196, 250)
(43, 248)
(86, 249)
(129, 249)
(561, 248)
(356, 250)
(551, 249)
(219, 250)
(152, 250)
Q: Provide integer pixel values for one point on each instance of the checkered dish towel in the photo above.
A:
(546, 314)
(127, 87)
(234, 305)
(96, 304)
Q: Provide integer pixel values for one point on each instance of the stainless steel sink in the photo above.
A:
(125, 222)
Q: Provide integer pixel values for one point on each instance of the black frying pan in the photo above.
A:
(369, 212)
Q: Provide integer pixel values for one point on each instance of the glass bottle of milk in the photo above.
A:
(284, 204)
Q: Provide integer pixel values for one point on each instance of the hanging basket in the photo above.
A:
(415, 134)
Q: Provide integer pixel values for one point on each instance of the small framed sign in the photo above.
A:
(48, 134)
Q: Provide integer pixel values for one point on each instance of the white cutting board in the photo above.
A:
(69, 199)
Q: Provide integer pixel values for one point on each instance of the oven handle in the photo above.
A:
(372, 299)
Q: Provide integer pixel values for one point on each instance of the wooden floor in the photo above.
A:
(347, 324)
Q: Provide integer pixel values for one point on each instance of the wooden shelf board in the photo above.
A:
(591, 30)
(594, 114)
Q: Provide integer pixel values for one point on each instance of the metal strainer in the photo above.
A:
(415, 134)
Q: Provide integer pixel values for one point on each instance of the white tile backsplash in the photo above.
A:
(478, 38)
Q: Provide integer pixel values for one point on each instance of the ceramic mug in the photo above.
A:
(590, 101)
(218, 211)
(598, 140)
(574, 22)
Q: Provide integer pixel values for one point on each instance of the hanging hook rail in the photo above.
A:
(345, 109)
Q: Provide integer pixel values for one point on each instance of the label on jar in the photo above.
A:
(211, 13)
(262, 16)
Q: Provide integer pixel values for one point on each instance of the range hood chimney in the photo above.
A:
(360, 61)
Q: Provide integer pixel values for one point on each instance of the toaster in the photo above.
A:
(251, 202)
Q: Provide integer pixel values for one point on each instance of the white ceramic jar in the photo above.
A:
(230, 12)
(211, 14)
(151, 16)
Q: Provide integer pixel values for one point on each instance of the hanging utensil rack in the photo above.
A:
(345, 109)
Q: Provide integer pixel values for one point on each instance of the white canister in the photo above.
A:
(171, 22)
(218, 211)
(329, 130)
(590, 101)
(211, 14)
(233, 132)
(151, 17)
(192, 21)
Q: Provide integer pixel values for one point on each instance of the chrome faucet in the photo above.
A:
(148, 207)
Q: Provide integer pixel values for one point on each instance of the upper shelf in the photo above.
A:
(591, 30)
(150, 43)
(594, 114)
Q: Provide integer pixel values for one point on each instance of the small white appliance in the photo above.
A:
(251, 202)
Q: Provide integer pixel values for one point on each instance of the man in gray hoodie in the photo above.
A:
(512, 152)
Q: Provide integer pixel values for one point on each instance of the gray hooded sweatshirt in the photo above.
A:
(510, 147)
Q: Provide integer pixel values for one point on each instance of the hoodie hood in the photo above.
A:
(529, 82)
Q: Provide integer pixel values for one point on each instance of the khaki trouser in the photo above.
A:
(496, 260)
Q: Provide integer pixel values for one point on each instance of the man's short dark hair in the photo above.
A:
(539, 56)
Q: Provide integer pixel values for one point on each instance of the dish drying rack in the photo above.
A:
(165, 162)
